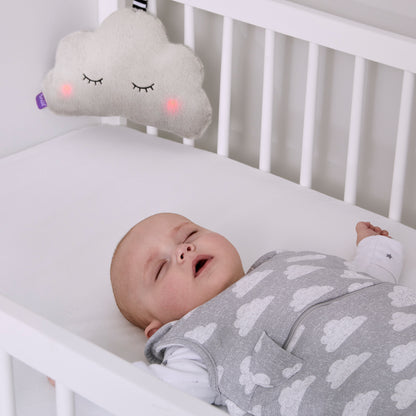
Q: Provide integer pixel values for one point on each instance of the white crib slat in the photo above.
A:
(350, 191)
(399, 172)
(189, 28)
(65, 403)
(152, 7)
(188, 142)
(151, 130)
(309, 118)
(267, 105)
(225, 88)
(114, 121)
(189, 40)
(105, 8)
(7, 399)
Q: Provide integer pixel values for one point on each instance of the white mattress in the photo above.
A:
(66, 203)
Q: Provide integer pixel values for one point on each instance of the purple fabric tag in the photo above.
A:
(41, 101)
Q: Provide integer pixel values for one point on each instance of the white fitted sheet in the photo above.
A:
(66, 203)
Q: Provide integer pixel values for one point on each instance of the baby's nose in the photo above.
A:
(183, 250)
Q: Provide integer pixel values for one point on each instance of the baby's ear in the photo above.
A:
(152, 328)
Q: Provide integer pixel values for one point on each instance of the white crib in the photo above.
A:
(68, 200)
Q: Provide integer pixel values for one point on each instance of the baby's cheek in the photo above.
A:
(173, 303)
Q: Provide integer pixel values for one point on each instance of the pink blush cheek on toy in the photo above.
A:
(66, 90)
(172, 106)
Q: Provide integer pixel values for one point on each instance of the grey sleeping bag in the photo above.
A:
(302, 334)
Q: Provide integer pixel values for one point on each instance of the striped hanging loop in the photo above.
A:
(140, 5)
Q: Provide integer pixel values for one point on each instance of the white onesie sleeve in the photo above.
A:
(380, 257)
(185, 370)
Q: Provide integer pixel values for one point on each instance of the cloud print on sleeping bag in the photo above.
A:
(128, 68)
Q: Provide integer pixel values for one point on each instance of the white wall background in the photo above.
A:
(29, 33)
(28, 39)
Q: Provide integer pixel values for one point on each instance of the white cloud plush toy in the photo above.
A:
(128, 68)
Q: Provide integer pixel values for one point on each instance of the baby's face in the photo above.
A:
(174, 265)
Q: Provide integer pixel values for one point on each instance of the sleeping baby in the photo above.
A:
(302, 333)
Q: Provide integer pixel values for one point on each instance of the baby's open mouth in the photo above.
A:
(200, 263)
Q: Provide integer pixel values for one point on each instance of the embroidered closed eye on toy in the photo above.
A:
(128, 68)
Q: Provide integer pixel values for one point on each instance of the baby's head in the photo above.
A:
(166, 265)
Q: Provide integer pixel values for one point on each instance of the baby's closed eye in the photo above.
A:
(160, 269)
(190, 235)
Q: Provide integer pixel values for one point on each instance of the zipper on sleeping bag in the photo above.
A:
(308, 311)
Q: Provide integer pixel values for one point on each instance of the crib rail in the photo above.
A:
(82, 367)
(317, 27)
(320, 30)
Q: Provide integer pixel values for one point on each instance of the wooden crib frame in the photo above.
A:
(110, 381)
(320, 30)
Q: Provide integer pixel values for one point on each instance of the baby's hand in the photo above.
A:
(366, 229)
